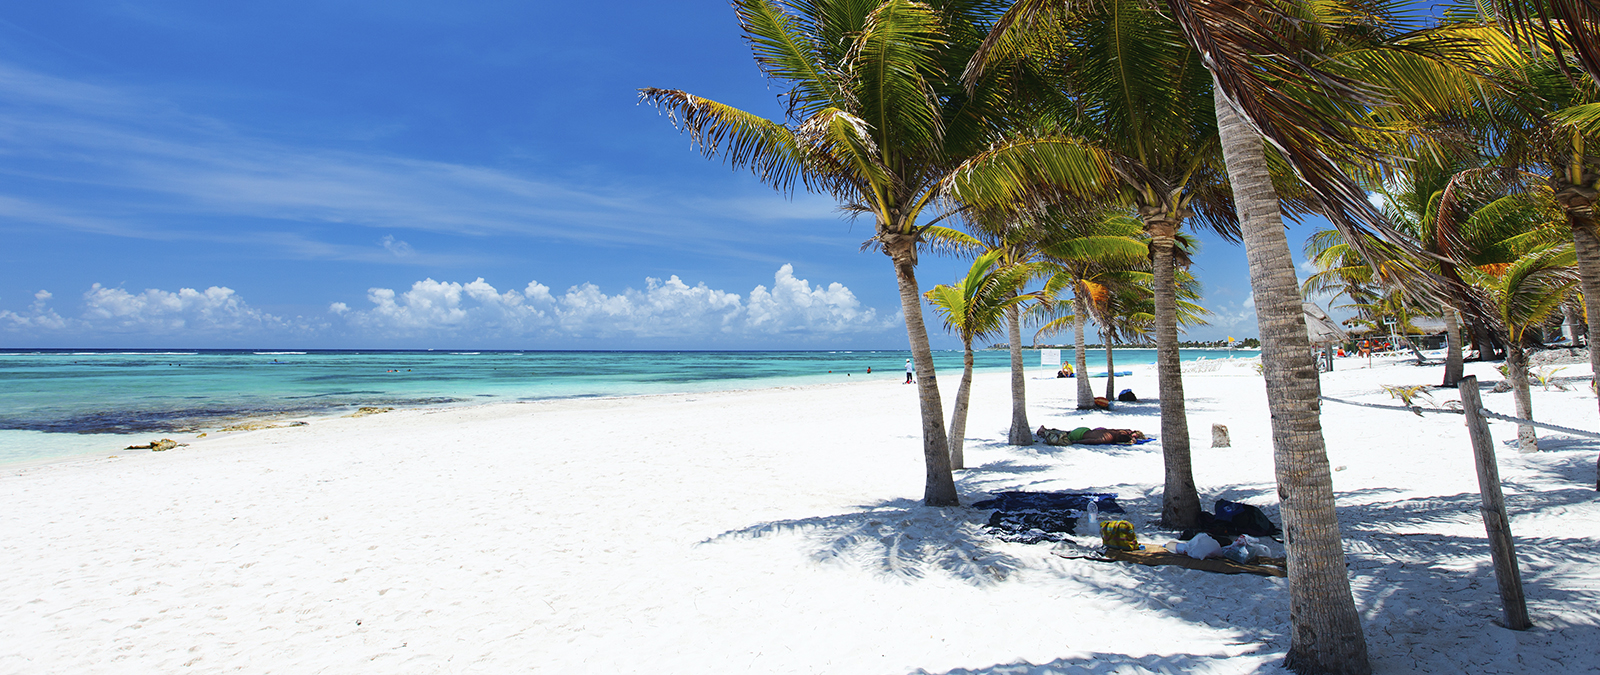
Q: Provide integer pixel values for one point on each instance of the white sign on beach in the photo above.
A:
(1049, 357)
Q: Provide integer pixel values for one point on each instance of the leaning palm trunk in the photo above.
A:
(1325, 635)
(1085, 390)
(1020, 433)
(1453, 367)
(1517, 372)
(958, 418)
(940, 487)
(1180, 503)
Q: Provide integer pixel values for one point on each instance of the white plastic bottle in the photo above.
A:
(1094, 513)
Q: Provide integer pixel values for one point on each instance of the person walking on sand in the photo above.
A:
(910, 371)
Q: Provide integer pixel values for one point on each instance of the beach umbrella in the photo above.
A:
(1321, 329)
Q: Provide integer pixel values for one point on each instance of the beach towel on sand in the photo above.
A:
(1050, 501)
(1156, 556)
(1033, 517)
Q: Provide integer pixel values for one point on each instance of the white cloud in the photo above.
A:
(399, 248)
(216, 309)
(668, 311)
(793, 305)
(41, 316)
(667, 308)
(1238, 320)
(212, 312)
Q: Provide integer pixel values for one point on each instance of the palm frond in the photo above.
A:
(743, 140)
(1029, 170)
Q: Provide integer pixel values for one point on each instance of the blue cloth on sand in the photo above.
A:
(1034, 517)
(1050, 501)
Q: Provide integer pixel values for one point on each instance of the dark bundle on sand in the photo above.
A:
(1033, 517)
(1233, 519)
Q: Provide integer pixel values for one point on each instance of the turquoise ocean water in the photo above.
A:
(59, 403)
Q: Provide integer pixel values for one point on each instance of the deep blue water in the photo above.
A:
(51, 399)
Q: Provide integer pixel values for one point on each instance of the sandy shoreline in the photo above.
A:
(772, 530)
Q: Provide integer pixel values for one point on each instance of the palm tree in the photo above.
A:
(974, 308)
(1131, 89)
(1115, 291)
(1473, 216)
(879, 120)
(1524, 294)
(1273, 83)
(1017, 237)
(1559, 141)
(1078, 247)
(1550, 29)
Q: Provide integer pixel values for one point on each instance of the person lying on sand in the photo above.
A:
(1087, 436)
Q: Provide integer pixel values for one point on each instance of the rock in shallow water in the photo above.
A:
(158, 446)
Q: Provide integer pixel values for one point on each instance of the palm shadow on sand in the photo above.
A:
(1422, 594)
(898, 538)
(1120, 664)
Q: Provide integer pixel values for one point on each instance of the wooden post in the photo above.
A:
(1501, 549)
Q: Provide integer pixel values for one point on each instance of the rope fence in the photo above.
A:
(1418, 410)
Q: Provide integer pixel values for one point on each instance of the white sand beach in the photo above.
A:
(770, 531)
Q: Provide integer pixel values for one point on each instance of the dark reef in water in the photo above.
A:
(190, 419)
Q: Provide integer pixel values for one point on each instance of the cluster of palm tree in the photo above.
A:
(1068, 139)
(1500, 236)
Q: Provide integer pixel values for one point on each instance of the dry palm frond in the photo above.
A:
(1409, 394)
(1545, 377)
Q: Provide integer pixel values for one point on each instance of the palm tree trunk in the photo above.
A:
(1020, 433)
(1081, 359)
(1587, 246)
(958, 418)
(1517, 372)
(1453, 367)
(1180, 504)
(1571, 324)
(1480, 340)
(1111, 368)
(940, 487)
(1325, 630)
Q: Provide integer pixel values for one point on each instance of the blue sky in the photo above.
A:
(418, 174)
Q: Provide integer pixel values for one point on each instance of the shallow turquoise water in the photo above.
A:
(57, 402)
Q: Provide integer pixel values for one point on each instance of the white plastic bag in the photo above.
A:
(1238, 552)
(1202, 546)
